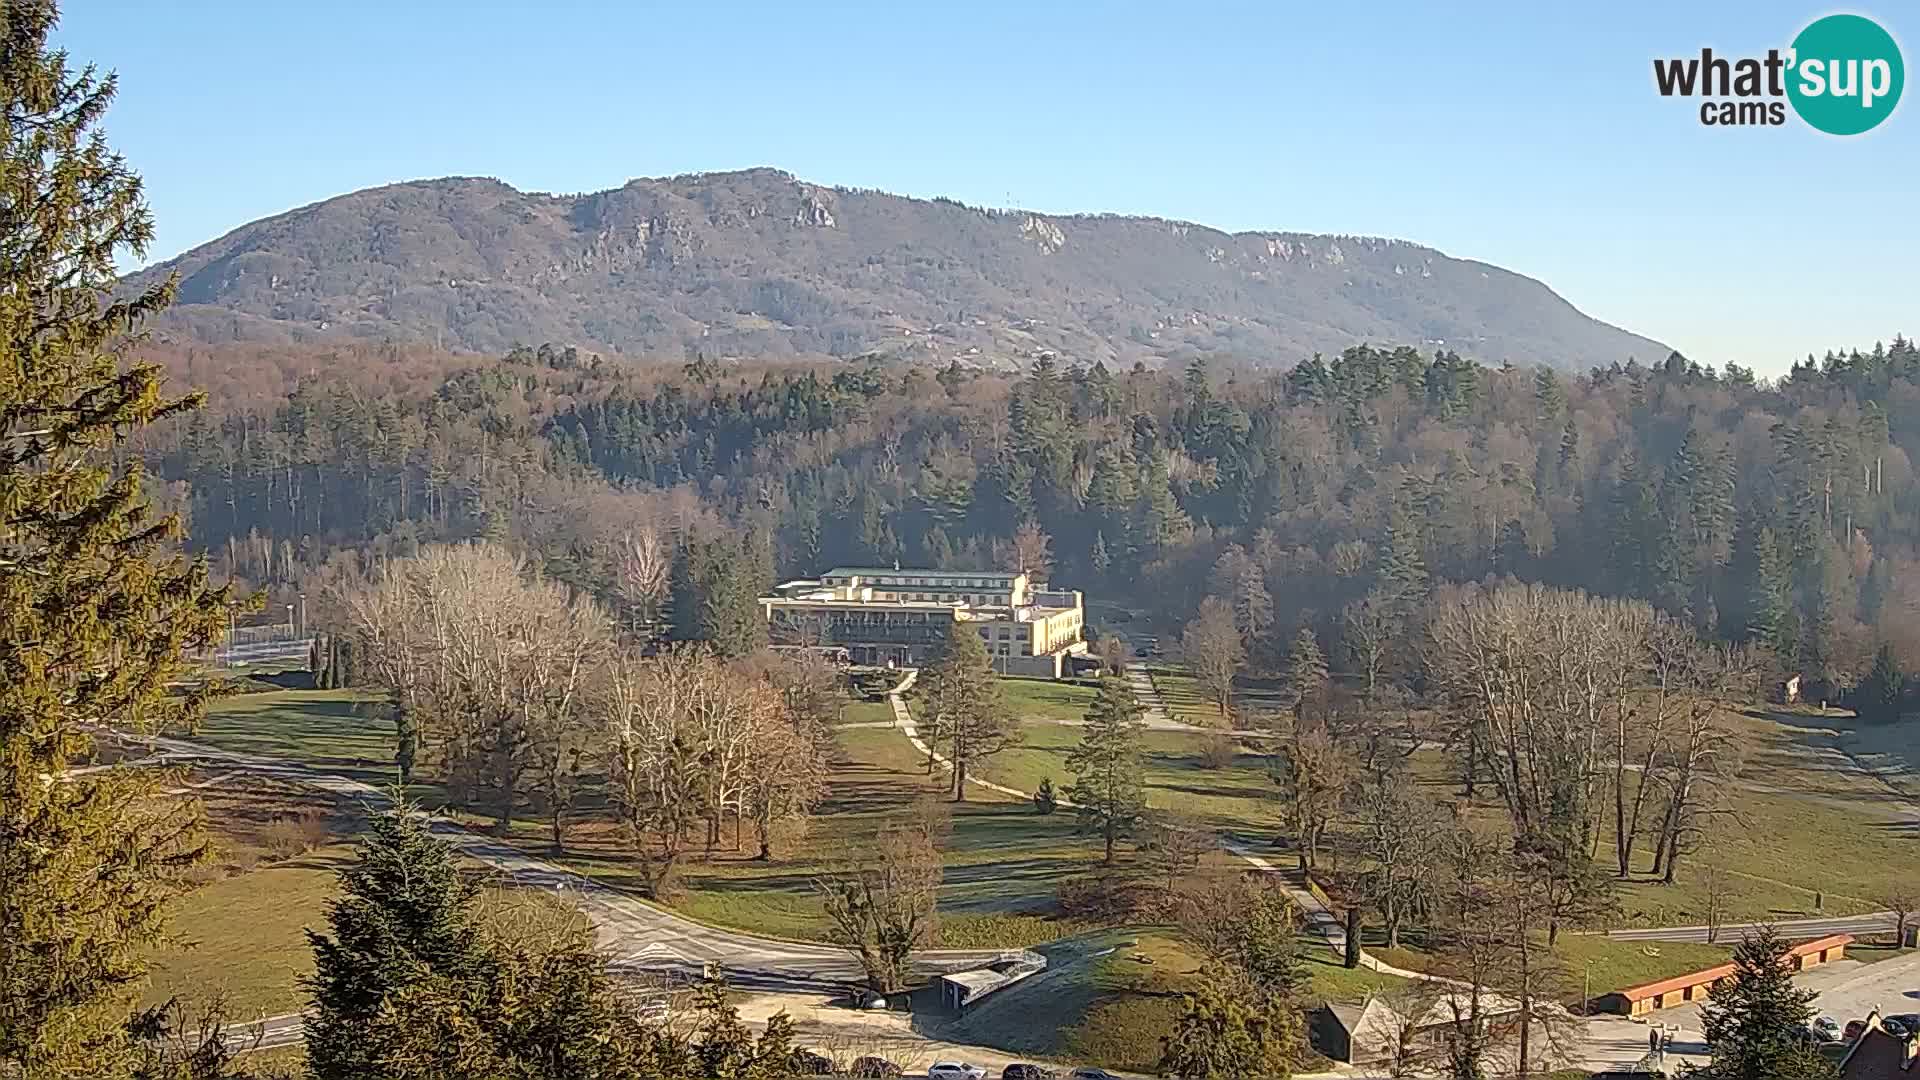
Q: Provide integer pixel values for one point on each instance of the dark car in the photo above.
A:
(808, 1063)
(1854, 1029)
(1902, 1025)
(1020, 1070)
(1088, 1072)
(873, 1067)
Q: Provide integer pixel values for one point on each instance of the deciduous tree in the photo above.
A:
(1211, 647)
(881, 904)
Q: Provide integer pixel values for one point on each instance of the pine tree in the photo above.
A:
(1306, 670)
(1102, 562)
(963, 705)
(1756, 1020)
(1107, 792)
(1881, 694)
(403, 927)
(96, 610)
(1768, 608)
(1403, 569)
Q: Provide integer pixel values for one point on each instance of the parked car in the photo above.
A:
(807, 1063)
(955, 1070)
(1020, 1070)
(874, 1067)
(1901, 1025)
(1855, 1028)
(1827, 1028)
(1088, 1072)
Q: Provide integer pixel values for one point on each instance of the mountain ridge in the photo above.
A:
(759, 263)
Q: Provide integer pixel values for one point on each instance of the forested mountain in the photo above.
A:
(757, 264)
(1787, 513)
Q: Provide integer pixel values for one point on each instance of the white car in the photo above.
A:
(955, 1070)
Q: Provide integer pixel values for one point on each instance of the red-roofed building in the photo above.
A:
(1640, 1000)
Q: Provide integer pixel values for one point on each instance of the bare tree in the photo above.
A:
(1029, 552)
(1902, 900)
(1369, 627)
(881, 905)
(1399, 832)
(642, 561)
(1704, 756)
(1314, 773)
(652, 764)
(1239, 579)
(1211, 647)
(1172, 850)
(1714, 883)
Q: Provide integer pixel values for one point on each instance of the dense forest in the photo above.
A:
(1783, 512)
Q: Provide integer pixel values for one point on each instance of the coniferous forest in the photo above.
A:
(1776, 511)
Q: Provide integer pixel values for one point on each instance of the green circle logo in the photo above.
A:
(1845, 74)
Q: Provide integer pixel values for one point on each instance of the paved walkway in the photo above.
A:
(1320, 921)
(903, 719)
(1151, 707)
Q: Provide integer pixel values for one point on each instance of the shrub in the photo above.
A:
(1102, 898)
(1219, 752)
(294, 834)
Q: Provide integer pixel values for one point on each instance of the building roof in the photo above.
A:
(1715, 974)
(915, 571)
(1877, 1055)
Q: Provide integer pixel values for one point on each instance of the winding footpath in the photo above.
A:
(1318, 919)
(637, 936)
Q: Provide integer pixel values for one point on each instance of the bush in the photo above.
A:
(1102, 898)
(292, 835)
(1044, 799)
(1219, 752)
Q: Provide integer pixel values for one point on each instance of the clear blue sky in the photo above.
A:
(1524, 134)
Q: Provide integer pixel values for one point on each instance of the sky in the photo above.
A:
(1528, 135)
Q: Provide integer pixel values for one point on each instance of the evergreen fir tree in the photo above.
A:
(1768, 610)
(1403, 569)
(1882, 693)
(1756, 1019)
(1102, 562)
(402, 927)
(1306, 670)
(1222, 1036)
(1107, 792)
(96, 610)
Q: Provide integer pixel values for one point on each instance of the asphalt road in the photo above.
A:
(1798, 929)
(636, 935)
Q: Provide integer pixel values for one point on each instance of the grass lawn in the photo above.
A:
(241, 934)
(866, 712)
(1237, 796)
(1616, 965)
(244, 937)
(1034, 700)
(1108, 997)
(340, 731)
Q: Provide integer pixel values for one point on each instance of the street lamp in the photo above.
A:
(289, 622)
(303, 615)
